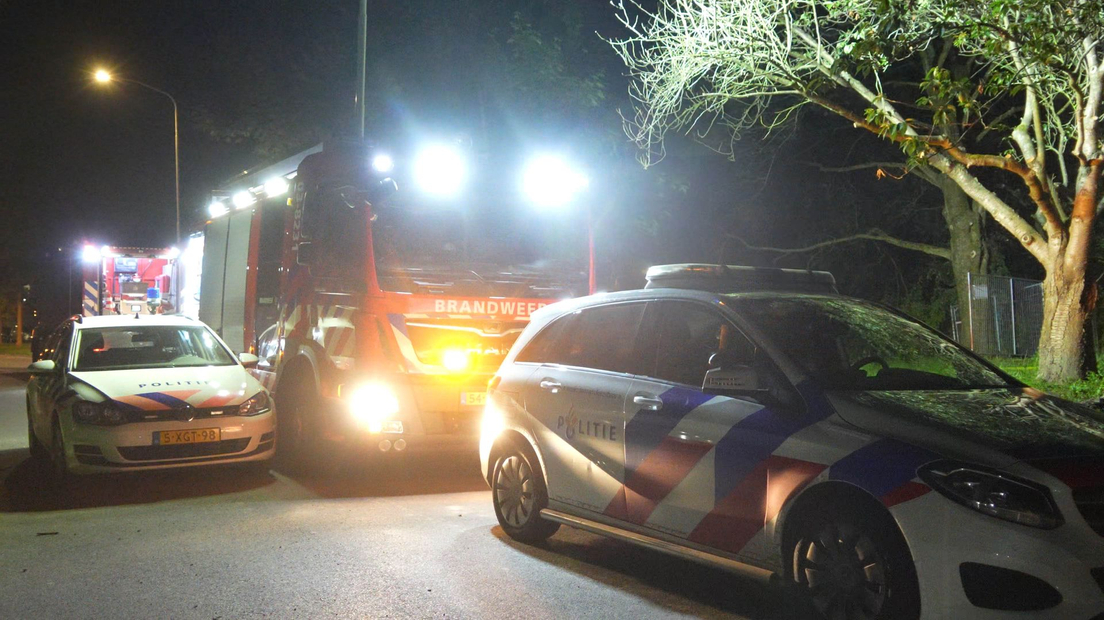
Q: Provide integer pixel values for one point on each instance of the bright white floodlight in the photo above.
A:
(217, 208)
(550, 181)
(276, 186)
(440, 170)
(91, 254)
(382, 163)
(243, 199)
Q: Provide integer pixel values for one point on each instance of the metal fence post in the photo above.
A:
(970, 307)
(1012, 304)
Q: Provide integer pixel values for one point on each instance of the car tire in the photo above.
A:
(59, 467)
(850, 563)
(518, 493)
(38, 451)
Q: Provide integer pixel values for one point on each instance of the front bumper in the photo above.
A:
(944, 535)
(430, 410)
(130, 447)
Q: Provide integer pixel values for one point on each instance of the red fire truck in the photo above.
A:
(119, 280)
(376, 310)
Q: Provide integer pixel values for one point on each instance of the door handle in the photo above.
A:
(648, 402)
(551, 386)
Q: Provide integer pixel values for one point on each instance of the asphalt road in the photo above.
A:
(398, 538)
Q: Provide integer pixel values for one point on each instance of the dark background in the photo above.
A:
(257, 81)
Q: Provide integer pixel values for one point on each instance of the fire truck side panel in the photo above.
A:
(214, 266)
(224, 292)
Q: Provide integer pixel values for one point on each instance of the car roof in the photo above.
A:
(578, 303)
(129, 320)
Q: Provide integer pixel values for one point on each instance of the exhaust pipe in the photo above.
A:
(400, 445)
(385, 445)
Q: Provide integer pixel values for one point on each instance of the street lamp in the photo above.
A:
(103, 76)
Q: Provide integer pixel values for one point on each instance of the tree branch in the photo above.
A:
(873, 235)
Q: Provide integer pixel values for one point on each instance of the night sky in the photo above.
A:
(258, 80)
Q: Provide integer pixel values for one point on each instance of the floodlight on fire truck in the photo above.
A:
(382, 163)
(276, 186)
(243, 199)
(551, 181)
(91, 254)
(217, 208)
(440, 170)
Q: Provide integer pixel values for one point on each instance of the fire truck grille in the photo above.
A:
(183, 451)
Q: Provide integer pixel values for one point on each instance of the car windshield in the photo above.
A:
(847, 344)
(149, 346)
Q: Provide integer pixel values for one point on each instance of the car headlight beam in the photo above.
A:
(372, 404)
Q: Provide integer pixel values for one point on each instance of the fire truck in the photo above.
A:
(122, 280)
(362, 280)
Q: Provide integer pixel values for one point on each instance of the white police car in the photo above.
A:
(120, 393)
(874, 464)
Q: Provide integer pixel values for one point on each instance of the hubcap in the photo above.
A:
(514, 490)
(844, 572)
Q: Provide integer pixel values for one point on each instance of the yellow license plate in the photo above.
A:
(195, 435)
(473, 398)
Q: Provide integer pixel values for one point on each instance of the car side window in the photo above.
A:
(550, 345)
(687, 335)
(605, 338)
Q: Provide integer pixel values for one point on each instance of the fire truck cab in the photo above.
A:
(375, 324)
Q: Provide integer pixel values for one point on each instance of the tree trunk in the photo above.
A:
(964, 224)
(1068, 300)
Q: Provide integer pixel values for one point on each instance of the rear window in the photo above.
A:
(149, 346)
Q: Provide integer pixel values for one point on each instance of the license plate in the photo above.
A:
(473, 398)
(195, 435)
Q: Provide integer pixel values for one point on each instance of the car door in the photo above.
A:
(50, 386)
(687, 451)
(577, 399)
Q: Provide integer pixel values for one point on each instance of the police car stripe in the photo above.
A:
(647, 429)
(659, 473)
(165, 399)
(882, 466)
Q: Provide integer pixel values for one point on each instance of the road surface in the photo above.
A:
(388, 539)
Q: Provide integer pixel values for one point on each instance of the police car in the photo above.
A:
(878, 467)
(120, 393)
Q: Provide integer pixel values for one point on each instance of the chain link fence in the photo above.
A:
(1004, 316)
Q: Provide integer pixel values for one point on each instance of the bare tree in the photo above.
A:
(1031, 96)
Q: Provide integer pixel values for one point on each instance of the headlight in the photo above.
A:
(258, 404)
(994, 493)
(371, 404)
(456, 360)
(493, 422)
(97, 413)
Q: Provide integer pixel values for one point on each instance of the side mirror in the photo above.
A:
(248, 360)
(42, 367)
(305, 254)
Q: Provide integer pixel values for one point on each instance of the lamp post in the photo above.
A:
(103, 76)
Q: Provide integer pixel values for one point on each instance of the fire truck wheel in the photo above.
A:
(518, 494)
(295, 408)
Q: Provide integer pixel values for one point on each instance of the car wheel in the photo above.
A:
(518, 494)
(38, 451)
(60, 468)
(855, 566)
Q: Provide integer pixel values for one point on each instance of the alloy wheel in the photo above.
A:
(844, 572)
(514, 490)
